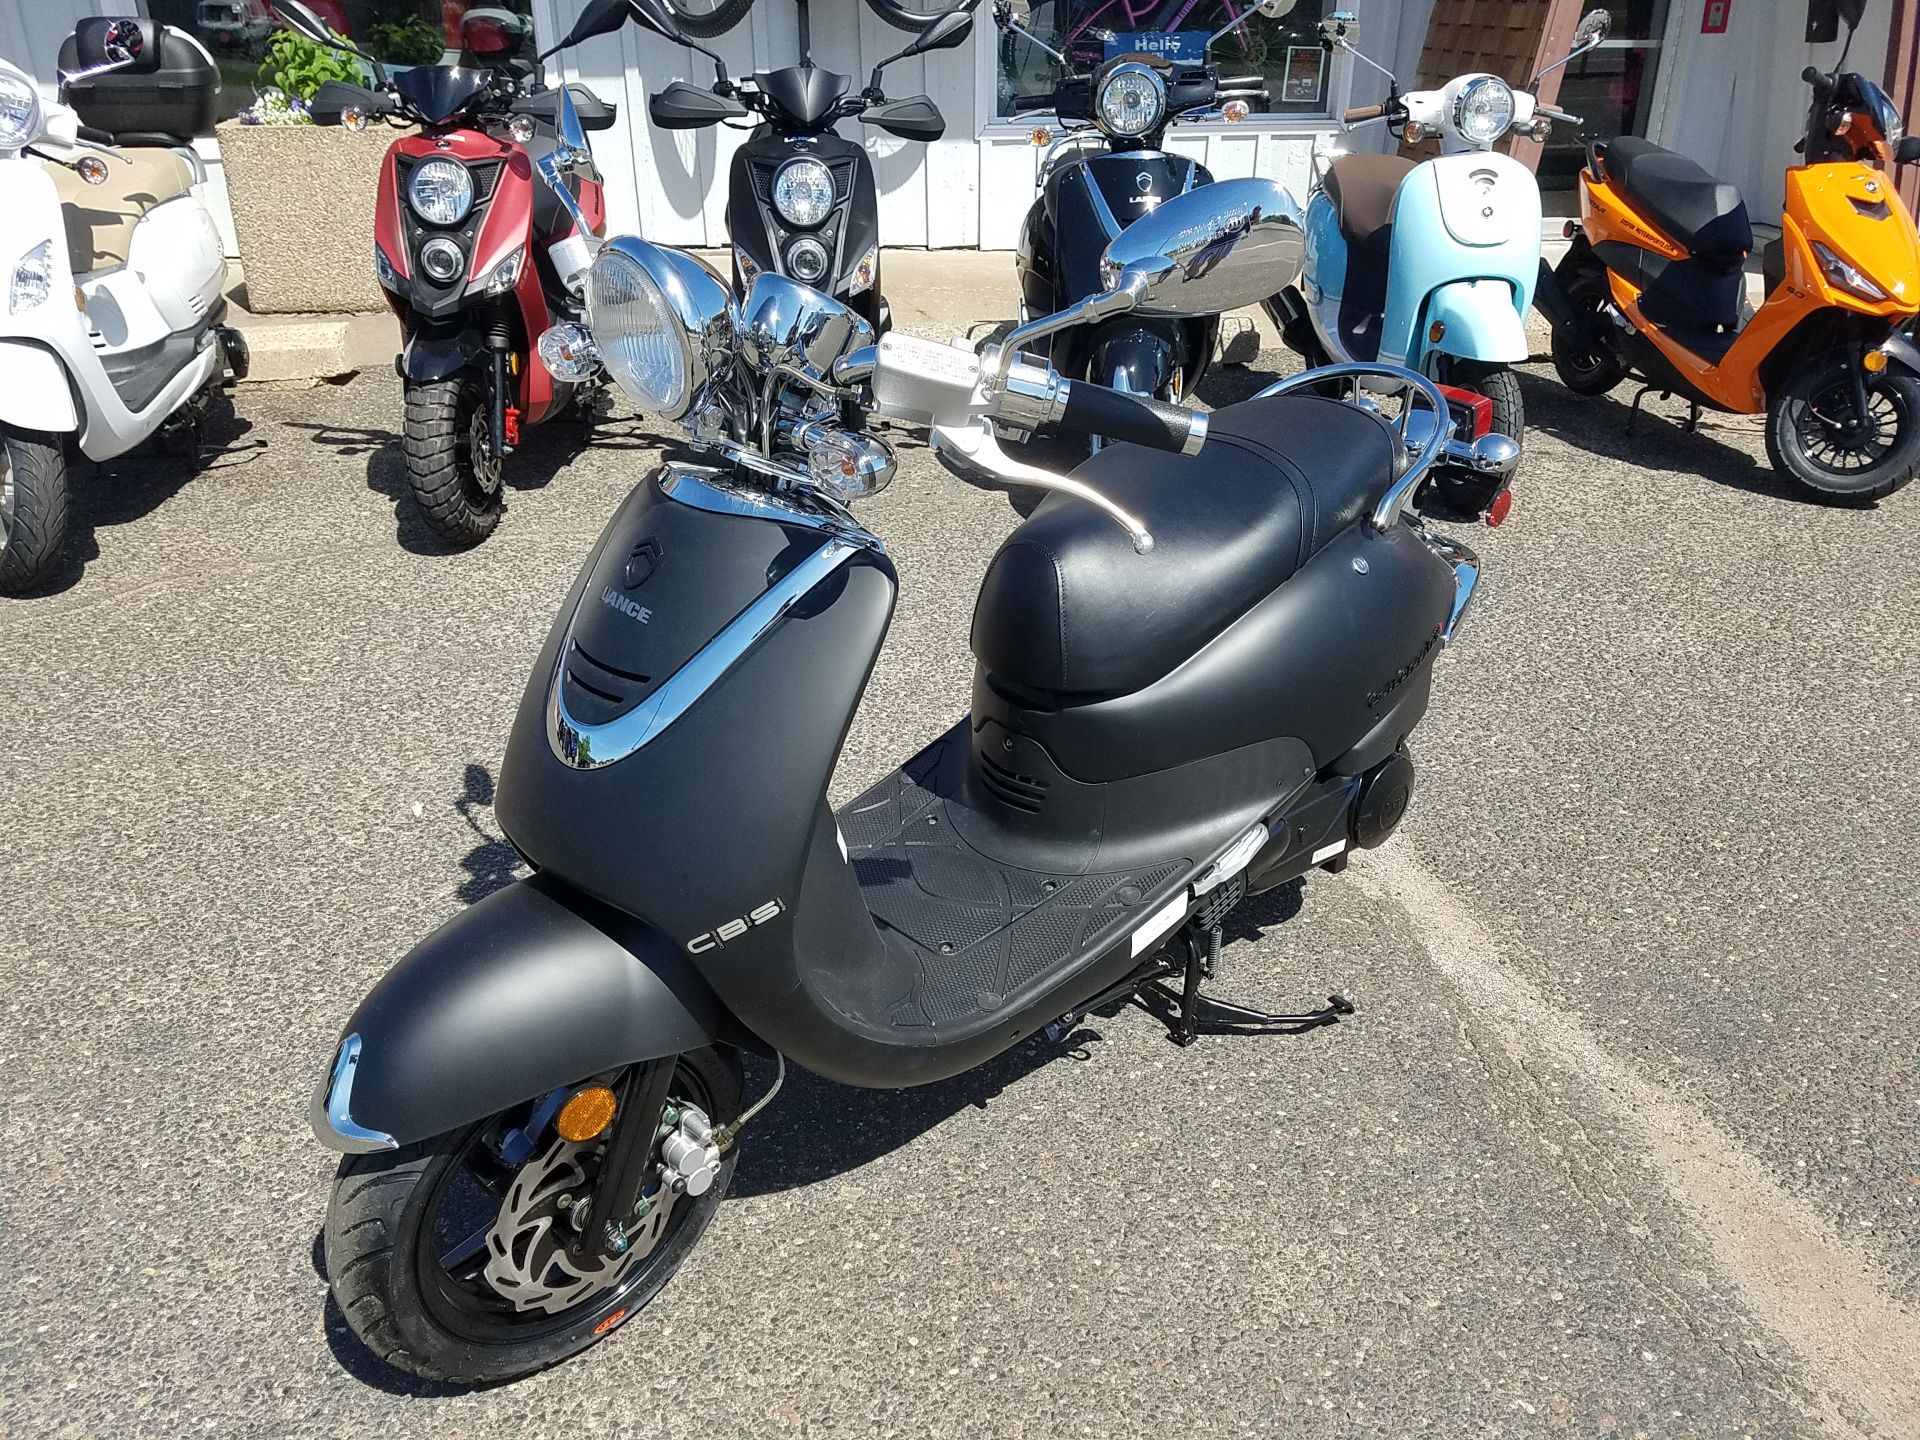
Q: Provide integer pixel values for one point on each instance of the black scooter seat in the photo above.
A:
(1068, 607)
(1703, 214)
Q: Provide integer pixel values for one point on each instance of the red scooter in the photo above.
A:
(477, 253)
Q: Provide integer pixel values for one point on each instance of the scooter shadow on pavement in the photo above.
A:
(1660, 440)
(129, 487)
(541, 455)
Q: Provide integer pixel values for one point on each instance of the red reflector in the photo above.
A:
(513, 426)
(1569, 230)
(1497, 512)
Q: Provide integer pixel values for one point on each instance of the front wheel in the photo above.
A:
(454, 1258)
(451, 468)
(1817, 435)
(33, 507)
(1583, 353)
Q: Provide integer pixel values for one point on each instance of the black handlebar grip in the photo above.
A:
(94, 136)
(1033, 102)
(1814, 77)
(1137, 419)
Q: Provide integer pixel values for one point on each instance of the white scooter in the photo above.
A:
(1429, 265)
(114, 277)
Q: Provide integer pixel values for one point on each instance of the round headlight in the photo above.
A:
(1484, 110)
(440, 191)
(19, 110)
(807, 260)
(1133, 98)
(661, 320)
(803, 192)
(442, 260)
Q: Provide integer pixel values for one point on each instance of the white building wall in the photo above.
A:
(1736, 102)
(970, 188)
(31, 31)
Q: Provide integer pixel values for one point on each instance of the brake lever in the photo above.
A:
(978, 447)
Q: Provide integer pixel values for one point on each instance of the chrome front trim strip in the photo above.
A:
(705, 488)
(332, 1123)
(589, 747)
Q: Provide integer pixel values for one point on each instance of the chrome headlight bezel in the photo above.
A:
(1145, 84)
(803, 192)
(447, 206)
(20, 112)
(1483, 111)
(695, 323)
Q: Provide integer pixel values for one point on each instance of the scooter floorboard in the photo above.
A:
(988, 938)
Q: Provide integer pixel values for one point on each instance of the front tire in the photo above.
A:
(1583, 355)
(704, 21)
(450, 468)
(1816, 436)
(33, 507)
(401, 1226)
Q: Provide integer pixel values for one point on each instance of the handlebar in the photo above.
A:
(1364, 112)
(1817, 78)
(1135, 419)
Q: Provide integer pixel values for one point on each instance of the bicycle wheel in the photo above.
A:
(704, 19)
(910, 15)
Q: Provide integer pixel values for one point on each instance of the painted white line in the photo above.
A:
(1818, 1293)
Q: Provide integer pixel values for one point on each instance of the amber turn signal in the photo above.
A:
(586, 1114)
(1874, 360)
(1041, 135)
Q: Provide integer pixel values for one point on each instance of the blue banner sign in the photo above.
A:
(1181, 46)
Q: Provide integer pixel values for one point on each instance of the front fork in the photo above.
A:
(499, 349)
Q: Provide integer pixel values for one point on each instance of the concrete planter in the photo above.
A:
(302, 198)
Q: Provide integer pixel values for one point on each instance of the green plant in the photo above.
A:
(300, 66)
(411, 41)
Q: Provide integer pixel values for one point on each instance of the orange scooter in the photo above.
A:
(1654, 287)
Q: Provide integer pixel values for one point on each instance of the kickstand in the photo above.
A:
(1693, 417)
(1191, 1014)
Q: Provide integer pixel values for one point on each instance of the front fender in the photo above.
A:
(34, 393)
(430, 356)
(532, 988)
(1481, 320)
(1899, 346)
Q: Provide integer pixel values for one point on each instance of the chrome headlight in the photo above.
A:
(1132, 100)
(1484, 110)
(19, 110)
(440, 191)
(661, 320)
(803, 192)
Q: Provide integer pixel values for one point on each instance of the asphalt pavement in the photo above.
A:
(1623, 1140)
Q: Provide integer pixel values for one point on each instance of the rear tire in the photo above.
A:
(33, 507)
(1582, 354)
(384, 1233)
(910, 15)
(1805, 441)
(455, 481)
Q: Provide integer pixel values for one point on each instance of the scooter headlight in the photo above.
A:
(1132, 101)
(1484, 110)
(32, 279)
(661, 320)
(803, 192)
(19, 110)
(440, 191)
(1845, 276)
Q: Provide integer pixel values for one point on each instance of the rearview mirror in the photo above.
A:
(1275, 9)
(656, 17)
(572, 133)
(1339, 28)
(943, 34)
(598, 17)
(1224, 245)
(1592, 29)
(1015, 12)
(300, 18)
(1907, 151)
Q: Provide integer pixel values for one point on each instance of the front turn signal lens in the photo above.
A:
(1234, 111)
(1041, 136)
(1874, 361)
(586, 1114)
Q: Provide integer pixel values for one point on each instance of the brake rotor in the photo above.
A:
(530, 1262)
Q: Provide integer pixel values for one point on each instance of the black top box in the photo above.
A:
(166, 96)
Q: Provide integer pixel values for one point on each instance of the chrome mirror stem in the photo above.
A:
(1124, 296)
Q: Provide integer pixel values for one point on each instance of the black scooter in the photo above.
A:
(800, 197)
(1102, 175)
(1197, 675)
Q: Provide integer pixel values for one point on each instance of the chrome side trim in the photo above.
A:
(705, 488)
(589, 747)
(332, 1123)
(1466, 575)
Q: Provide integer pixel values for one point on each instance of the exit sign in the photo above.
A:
(1714, 20)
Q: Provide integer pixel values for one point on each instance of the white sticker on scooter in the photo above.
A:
(1162, 922)
(1327, 852)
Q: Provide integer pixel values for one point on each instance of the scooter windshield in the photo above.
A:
(439, 92)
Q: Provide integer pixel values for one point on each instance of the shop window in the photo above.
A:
(1285, 53)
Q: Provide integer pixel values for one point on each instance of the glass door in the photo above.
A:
(1610, 89)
